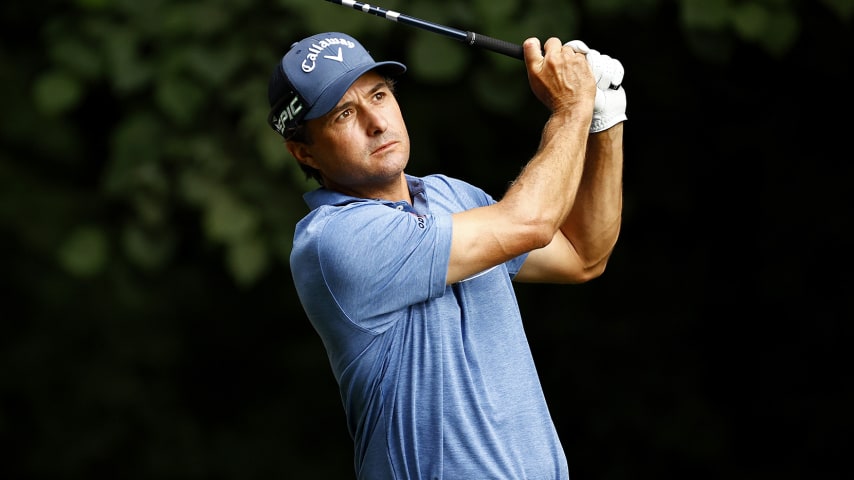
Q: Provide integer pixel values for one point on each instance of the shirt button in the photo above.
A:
(399, 207)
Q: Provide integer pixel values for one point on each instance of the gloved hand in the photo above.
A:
(609, 107)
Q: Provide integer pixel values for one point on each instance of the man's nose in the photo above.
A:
(376, 121)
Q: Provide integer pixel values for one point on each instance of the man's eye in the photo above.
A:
(380, 95)
(345, 113)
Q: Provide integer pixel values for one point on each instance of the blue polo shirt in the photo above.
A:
(437, 381)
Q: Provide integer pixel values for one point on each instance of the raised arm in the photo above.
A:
(582, 247)
(539, 202)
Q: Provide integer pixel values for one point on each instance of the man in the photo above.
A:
(408, 280)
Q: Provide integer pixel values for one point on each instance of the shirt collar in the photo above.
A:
(322, 196)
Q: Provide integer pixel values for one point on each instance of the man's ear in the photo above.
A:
(301, 152)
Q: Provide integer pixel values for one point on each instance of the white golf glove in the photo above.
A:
(609, 107)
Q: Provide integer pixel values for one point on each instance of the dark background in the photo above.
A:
(150, 328)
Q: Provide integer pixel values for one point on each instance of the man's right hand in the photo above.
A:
(560, 77)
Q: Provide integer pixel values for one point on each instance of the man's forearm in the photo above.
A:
(593, 224)
(547, 185)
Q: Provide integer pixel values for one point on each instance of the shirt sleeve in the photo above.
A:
(377, 260)
(455, 195)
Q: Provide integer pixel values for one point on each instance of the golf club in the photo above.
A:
(469, 38)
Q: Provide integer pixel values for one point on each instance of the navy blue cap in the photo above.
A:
(313, 76)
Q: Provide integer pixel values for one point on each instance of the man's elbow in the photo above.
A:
(577, 273)
(591, 272)
(593, 266)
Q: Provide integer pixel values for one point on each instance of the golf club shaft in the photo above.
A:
(469, 38)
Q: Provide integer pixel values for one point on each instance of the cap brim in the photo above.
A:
(332, 95)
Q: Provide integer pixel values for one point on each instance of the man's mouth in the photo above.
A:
(384, 147)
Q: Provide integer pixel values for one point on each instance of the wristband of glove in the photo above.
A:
(609, 109)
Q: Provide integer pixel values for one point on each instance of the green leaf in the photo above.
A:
(708, 14)
(148, 249)
(227, 219)
(318, 16)
(92, 4)
(178, 98)
(196, 18)
(214, 65)
(76, 56)
(56, 92)
(495, 11)
(547, 19)
(196, 188)
(750, 20)
(272, 149)
(134, 155)
(606, 7)
(128, 70)
(436, 59)
(776, 31)
(248, 259)
(843, 8)
(782, 33)
(500, 93)
(148, 203)
(84, 252)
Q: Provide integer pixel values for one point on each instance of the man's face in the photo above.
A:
(362, 144)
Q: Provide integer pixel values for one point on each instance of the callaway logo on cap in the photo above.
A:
(314, 75)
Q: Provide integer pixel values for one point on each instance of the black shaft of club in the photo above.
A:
(469, 38)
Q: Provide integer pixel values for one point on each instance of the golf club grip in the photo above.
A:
(494, 44)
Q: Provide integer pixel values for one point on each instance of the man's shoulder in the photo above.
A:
(455, 191)
(445, 182)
